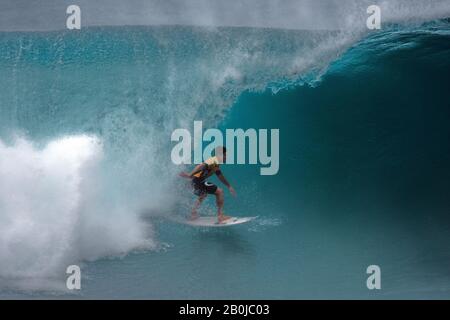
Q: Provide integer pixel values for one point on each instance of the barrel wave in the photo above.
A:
(86, 176)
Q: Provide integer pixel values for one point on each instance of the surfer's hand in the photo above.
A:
(184, 175)
(232, 191)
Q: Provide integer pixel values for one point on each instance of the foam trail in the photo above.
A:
(49, 217)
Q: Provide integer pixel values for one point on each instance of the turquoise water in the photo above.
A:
(364, 154)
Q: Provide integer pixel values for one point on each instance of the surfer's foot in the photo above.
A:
(193, 216)
(222, 218)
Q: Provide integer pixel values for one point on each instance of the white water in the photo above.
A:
(53, 211)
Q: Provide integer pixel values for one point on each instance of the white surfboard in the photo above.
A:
(212, 221)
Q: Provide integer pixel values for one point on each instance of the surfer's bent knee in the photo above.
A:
(219, 191)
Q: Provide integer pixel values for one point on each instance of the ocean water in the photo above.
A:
(364, 179)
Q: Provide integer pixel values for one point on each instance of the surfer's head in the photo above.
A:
(221, 154)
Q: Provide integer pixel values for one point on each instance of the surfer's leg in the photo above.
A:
(219, 202)
(198, 202)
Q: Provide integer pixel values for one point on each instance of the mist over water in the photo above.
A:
(85, 166)
(349, 15)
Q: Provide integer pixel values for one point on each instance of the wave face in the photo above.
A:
(86, 120)
(127, 89)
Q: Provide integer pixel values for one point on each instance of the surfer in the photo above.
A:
(202, 187)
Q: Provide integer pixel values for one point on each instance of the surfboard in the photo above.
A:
(212, 221)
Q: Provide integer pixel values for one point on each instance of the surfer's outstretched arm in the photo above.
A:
(225, 182)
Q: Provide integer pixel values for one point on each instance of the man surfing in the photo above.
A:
(202, 187)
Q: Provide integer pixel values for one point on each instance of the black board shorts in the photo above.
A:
(202, 187)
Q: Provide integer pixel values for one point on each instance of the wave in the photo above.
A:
(369, 135)
(94, 112)
(56, 210)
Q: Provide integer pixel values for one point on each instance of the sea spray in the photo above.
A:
(52, 213)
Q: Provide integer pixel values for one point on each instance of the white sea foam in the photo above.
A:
(54, 211)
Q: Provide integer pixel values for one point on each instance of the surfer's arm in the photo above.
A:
(225, 182)
(197, 169)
